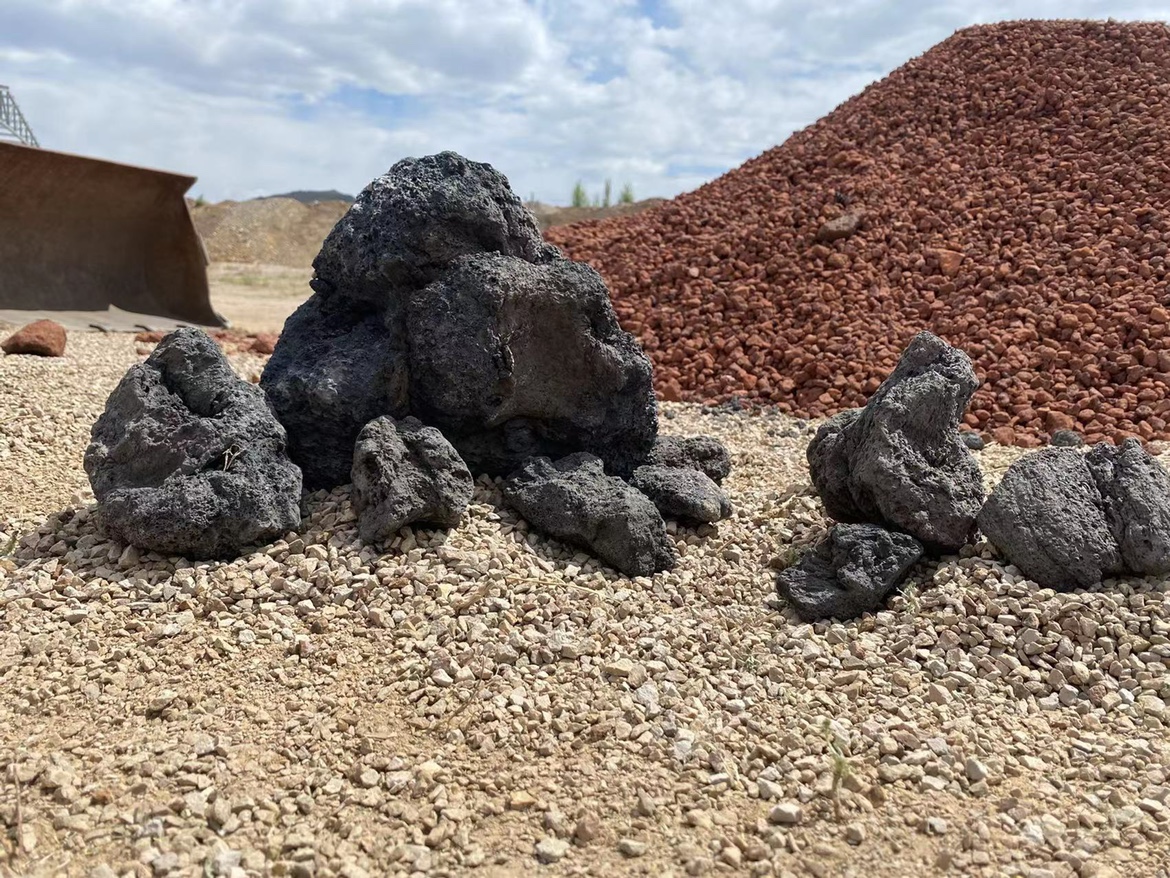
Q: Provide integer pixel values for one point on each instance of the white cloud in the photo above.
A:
(262, 97)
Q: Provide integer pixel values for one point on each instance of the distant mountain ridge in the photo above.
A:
(309, 196)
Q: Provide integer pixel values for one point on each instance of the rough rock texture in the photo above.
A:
(900, 461)
(682, 493)
(829, 467)
(408, 224)
(536, 350)
(335, 369)
(704, 453)
(972, 440)
(972, 163)
(187, 459)
(1136, 494)
(44, 338)
(1046, 515)
(1066, 439)
(436, 297)
(849, 572)
(1069, 520)
(405, 472)
(574, 500)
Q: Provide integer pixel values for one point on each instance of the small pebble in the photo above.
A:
(786, 814)
(551, 850)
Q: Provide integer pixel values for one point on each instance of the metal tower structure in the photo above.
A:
(13, 125)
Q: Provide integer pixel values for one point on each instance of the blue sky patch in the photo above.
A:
(660, 13)
(379, 105)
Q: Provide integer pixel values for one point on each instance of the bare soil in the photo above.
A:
(257, 297)
(549, 215)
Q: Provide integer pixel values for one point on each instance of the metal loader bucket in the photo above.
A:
(84, 239)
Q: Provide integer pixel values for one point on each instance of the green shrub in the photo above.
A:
(582, 198)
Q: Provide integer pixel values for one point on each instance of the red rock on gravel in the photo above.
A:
(1016, 191)
(44, 338)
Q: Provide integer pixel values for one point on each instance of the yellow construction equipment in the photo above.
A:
(95, 243)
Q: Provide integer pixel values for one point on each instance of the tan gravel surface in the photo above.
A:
(486, 698)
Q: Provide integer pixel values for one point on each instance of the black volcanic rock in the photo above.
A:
(188, 459)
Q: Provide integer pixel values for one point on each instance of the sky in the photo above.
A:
(256, 97)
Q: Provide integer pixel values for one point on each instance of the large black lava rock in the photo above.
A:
(1069, 520)
(1135, 491)
(436, 297)
(513, 360)
(408, 225)
(849, 572)
(573, 500)
(335, 368)
(901, 461)
(188, 459)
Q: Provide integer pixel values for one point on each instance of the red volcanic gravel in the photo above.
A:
(1010, 191)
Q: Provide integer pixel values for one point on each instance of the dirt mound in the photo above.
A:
(288, 230)
(312, 196)
(278, 231)
(1013, 191)
(549, 215)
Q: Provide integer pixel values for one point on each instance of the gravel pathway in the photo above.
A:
(487, 698)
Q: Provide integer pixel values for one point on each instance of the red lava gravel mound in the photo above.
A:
(1009, 190)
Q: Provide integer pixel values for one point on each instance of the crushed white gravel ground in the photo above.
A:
(486, 698)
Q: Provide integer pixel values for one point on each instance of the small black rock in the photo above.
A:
(188, 459)
(900, 461)
(404, 472)
(575, 501)
(704, 453)
(1066, 439)
(972, 440)
(681, 493)
(1069, 520)
(849, 572)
